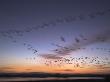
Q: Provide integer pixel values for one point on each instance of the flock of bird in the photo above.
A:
(12, 35)
(14, 32)
(80, 62)
(30, 47)
(54, 59)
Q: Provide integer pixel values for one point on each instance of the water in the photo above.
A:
(47, 78)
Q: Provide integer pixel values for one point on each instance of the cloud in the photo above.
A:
(4, 68)
(50, 56)
(99, 37)
(74, 46)
(66, 70)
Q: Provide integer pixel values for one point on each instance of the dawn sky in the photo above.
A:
(64, 36)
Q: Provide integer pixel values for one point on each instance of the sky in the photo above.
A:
(58, 36)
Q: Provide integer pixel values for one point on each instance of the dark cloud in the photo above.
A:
(66, 50)
(6, 69)
(82, 42)
(50, 56)
(66, 70)
(99, 37)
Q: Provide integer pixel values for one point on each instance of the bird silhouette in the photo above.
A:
(77, 40)
(62, 39)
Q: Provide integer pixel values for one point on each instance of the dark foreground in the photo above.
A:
(58, 80)
(90, 80)
(47, 77)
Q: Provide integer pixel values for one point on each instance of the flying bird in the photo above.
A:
(62, 39)
(35, 51)
(77, 40)
(82, 37)
(91, 15)
(81, 17)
